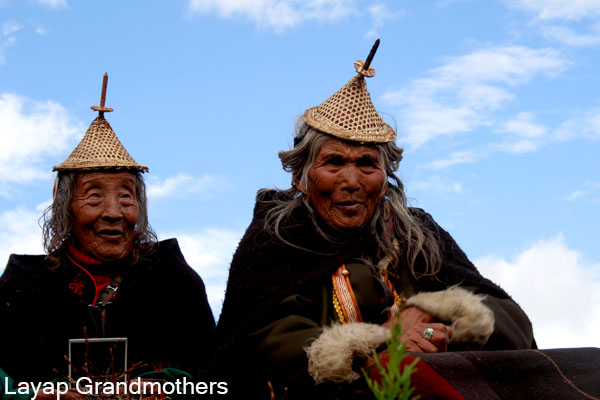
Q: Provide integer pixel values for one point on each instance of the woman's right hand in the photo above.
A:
(414, 322)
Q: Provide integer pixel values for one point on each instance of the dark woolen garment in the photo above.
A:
(268, 277)
(160, 306)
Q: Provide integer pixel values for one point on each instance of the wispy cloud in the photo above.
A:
(463, 94)
(53, 3)
(10, 27)
(590, 189)
(380, 14)
(435, 184)
(182, 184)
(522, 134)
(275, 14)
(569, 22)
(535, 277)
(586, 125)
(32, 131)
(458, 157)
(568, 10)
(523, 125)
(571, 37)
(8, 39)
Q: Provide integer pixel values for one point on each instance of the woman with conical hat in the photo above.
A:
(105, 275)
(328, 265)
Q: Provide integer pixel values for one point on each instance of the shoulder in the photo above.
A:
(266, 199)
(167, 258)
(20, 265)
(426, 221)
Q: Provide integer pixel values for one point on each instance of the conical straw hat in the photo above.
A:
(100, 147)
(349, 113)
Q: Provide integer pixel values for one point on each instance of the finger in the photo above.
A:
(415, 337)
(439, 337)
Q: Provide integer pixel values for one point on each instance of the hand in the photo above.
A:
(414, 322)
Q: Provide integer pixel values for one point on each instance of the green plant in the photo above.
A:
(395, 383)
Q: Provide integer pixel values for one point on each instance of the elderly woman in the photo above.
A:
(105, 275)
(331, 263)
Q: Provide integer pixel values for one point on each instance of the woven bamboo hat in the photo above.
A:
(349, 113)
(100, 147)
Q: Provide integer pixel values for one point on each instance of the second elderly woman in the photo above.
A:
(331, 263)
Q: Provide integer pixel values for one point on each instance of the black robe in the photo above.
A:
(269, 280)
(160, 306)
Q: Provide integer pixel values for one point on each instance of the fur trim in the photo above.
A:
(472, 321)
(330, 355)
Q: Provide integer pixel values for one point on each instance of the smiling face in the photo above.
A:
(345, 183)
(105, 211)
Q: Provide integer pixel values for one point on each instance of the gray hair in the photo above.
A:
(58, 218)
(413, 241)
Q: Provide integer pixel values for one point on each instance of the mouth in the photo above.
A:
(350, 205)
(110, 233)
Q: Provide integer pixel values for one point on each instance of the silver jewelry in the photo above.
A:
(428, 333)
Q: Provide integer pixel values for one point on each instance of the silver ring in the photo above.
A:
(428, 333)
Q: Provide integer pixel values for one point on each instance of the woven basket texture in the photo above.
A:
(349, 114)
(100, 148)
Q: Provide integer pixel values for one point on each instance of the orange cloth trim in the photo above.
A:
(345, 295)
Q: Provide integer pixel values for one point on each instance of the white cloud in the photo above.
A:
(436, 184)
(53, 3)
(458, 157)
(557, 287)
(275, 14)
(182, 184)
(210, 252)
(8, 39)
(523, 125)
(380, 14)
(586, 125)
(590, 189)
(31, 131)
(10, 27)
(570, 37)
(20, 233)
(463, 94)
(519, 146)
(558, 9)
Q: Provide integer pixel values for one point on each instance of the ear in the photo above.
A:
(383, 189)
(299, 186)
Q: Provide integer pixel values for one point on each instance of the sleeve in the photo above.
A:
(280, 343)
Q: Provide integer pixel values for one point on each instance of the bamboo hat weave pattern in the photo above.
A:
(349, 113)
(100, 147)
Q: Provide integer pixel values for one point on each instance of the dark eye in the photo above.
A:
(366, 162)
(337, 161)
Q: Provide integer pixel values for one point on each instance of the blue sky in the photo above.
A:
(496, 104)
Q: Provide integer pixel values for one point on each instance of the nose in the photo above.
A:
(112, 210)
(350, 179)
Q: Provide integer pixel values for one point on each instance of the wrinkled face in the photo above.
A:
(105, 211)
(345, 183)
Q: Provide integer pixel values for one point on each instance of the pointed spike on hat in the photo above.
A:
(349, 113)
(100, 147)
